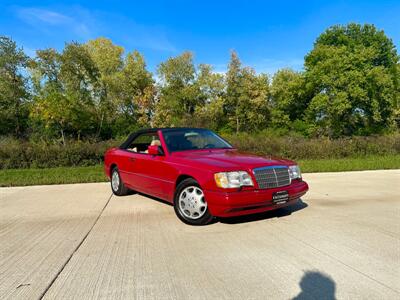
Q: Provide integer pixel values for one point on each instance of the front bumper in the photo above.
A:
(228, 204)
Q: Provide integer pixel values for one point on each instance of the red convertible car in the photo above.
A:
(201, 174)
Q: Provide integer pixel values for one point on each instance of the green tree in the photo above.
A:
(289, 97)
(209, 111)
(246, 100)
(353, 76)
(126, 98)
(47, 92)
(79, 73)
(106, 56)
(45, 68)
(233, 86)
(178, 92)
(57, 113)
(80, 77)
(14, 95)
(253, 106)
(397, 97)
(66, 89)
(135, 93)
(109, 62)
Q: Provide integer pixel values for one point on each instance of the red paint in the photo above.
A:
(153, 150)
(158, 175)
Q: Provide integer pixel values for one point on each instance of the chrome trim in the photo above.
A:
(265, 186)
(271, 167)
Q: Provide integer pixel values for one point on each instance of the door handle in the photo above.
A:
(132, 159)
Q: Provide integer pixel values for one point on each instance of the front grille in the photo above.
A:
(272, 177)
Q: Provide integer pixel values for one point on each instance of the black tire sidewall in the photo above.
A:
(121, 187)
(204, 220)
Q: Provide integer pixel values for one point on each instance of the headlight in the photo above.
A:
(233, 179)
(294, 172)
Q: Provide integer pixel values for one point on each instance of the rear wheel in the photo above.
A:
(190, 204)
(117, 185)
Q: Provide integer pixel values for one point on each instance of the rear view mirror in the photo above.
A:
(155, 150)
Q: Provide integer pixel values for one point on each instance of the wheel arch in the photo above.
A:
(112, 167)
(181, 178)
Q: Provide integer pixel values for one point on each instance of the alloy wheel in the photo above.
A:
(115, 181)
(192, 203)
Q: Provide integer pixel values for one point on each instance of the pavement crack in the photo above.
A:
(75, 250)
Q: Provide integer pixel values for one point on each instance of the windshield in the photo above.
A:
(192, 139)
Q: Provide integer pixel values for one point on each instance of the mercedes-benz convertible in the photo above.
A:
(201, 174)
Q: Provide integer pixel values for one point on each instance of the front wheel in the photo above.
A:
(190, 204)
(117, 185)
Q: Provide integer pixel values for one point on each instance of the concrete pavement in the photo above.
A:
(78, 242)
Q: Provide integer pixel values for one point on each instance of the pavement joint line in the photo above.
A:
(75, 250)
(343, 263)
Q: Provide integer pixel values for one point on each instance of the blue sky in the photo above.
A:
(267, 35)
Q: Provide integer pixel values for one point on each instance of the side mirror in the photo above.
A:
(155, 150)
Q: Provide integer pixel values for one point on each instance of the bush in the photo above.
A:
(22, 154)
(297, 147)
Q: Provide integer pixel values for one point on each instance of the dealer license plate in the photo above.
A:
(280, 197)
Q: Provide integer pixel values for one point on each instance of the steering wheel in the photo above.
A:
(208, 146)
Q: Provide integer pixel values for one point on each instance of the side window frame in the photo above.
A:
(149, 133)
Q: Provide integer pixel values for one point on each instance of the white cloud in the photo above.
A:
(49, 21)
(146, 37)
(77, 23)
(33, 15)
(134, 34)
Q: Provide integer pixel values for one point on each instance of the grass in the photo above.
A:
(62, 175)
(21, 177)
(350, 164)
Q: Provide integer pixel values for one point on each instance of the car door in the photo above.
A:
(143, 170)
(133, 169)
(127, 168)
(157, 175)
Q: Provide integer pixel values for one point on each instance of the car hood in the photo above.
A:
(229, 159)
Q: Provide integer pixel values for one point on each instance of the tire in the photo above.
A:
(117, 185)
(190, 205)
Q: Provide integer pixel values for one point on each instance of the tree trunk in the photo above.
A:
(16, 112)
(101, 125)
(17, 127)
(62, 136)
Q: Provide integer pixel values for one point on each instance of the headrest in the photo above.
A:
(155, 143)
